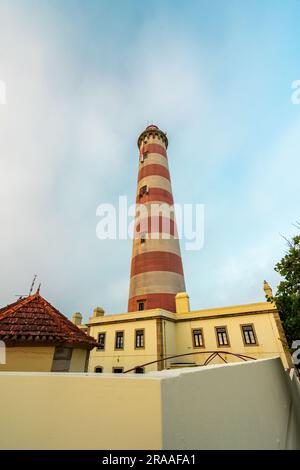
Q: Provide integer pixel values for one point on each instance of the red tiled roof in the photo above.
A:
(34, 320)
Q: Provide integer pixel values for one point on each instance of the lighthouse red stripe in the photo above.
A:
(156, 224)
(165, 301)
(155, 148)
(157, 195)
(156, 261)
(154, 170)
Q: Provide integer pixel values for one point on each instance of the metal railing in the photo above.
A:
(213, 355)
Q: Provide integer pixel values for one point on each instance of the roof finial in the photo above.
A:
(38, 289)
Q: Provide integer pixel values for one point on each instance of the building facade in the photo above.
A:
(159, 324)
(130, 341)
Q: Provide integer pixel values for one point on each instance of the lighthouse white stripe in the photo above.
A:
(156, 282)
(154, 159)
(155, 208)
(155, 182)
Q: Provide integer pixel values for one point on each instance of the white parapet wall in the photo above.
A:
(251, 405)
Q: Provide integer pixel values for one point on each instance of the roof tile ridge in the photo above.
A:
(16, 307)
(67, 324)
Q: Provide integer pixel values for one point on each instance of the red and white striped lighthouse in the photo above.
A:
(156, 266)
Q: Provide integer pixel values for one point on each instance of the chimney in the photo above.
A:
(77, 318)
(98, 312)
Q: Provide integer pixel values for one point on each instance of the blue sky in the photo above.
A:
(84, 78)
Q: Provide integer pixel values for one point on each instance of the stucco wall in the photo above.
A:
(78, 360)
(35, 359)
(251, 405)
(169, 329)
(128, 357)
(269, 344)
(78, 411)
(177, 335)
(39, 359)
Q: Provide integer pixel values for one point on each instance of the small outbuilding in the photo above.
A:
(36, 337)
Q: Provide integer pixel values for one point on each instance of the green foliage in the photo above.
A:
(287, 298)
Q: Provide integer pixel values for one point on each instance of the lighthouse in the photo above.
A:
(156, 274)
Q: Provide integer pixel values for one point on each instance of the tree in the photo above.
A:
(287, 298)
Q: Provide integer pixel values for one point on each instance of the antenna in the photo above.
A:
(20, 296)
(32, 284)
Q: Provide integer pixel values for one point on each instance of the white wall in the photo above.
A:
(79, 411)
(251, 405)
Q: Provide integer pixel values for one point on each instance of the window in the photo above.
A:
(119, 344)
(61, 359)
(98, 370)
(117, 370)
(139, 339)
(248, 334)
(143, 237)
(198, 338)
(144, 190)
(101, 341)
(139, 370)
(144, 155)
(222, 336)
(141, 305)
